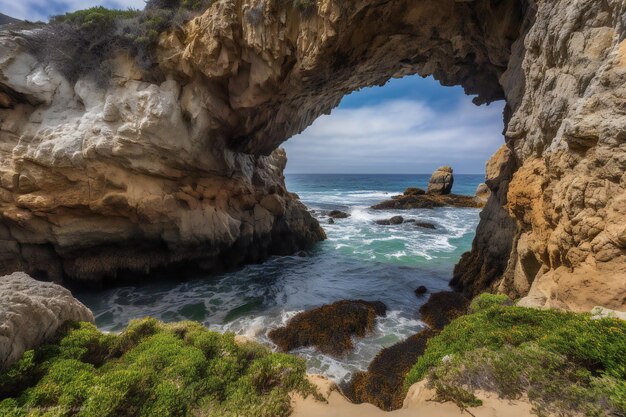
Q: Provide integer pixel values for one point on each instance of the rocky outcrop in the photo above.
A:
(558, 190)
(428, 201)
(482, 193)
(383, 382)
(329, 328)
(395, 220)
(182, 168)
(441, 181)
(31, 312)
(102, 184)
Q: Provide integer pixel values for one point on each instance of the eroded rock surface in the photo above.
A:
(420, 201)
(183, 170)
(441, 181)
(31, 312)
(558, 199)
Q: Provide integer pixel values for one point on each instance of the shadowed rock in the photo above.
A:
(329, 328)
(382, 384)
(338, 214)
(443, 307)
(421, 290)
(392, 221)
(415, 201)
(425, 225)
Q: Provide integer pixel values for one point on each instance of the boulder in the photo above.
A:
(329, 328)
(338, 214)
(31, 312)
(482, 193)
(425, 225)
(421, 290)
(441, 181)
(392, 221)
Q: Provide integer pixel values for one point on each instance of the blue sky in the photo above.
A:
(411, 125)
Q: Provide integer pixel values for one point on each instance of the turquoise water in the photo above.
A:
(360, 259)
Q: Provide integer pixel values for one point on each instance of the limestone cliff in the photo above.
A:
(562, 176)
(149, 173)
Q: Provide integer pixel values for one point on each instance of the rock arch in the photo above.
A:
(143, 175)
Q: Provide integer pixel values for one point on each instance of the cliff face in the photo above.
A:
(105, 183)
(101, 181)
(564, 187)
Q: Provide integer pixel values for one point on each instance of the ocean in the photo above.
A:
(359, 260)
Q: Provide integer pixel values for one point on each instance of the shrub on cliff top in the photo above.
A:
(151, 369)
(82, 42)
(563, 361)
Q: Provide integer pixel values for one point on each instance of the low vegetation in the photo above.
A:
(82, 42)
(565, 363)
(151, 369)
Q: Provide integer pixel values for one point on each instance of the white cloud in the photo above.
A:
(398, 136)
(42, 9)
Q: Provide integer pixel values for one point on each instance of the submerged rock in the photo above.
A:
(329, 328)
(31, 312)
(338, 214)
(392, 221)
(425, 225)
(441, 181)
(421, 290)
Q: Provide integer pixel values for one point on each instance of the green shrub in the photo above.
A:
(560, 359)
(83, 42)
(151, 369)
(486, 300)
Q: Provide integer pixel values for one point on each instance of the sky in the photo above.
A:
(35, 10)
(409, 126)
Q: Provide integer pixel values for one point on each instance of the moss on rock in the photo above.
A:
(329, 328)
(151, 369)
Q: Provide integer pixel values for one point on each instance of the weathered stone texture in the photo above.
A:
(31, 312)
(97, 183)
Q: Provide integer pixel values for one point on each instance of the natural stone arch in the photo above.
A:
(247, 75)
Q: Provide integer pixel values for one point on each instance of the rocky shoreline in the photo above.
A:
(438, 194)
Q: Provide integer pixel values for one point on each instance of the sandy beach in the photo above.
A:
(418, 402)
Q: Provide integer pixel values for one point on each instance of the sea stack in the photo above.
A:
(441, 181)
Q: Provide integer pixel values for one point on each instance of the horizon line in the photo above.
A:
(370, 173)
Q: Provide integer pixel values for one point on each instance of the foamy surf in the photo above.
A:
(360, 260)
